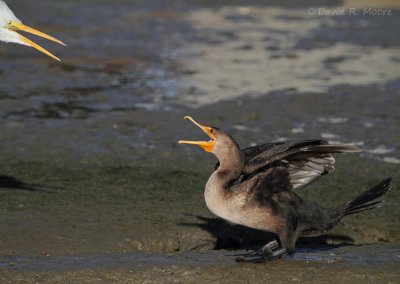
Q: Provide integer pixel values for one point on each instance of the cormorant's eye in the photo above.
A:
(212, 130)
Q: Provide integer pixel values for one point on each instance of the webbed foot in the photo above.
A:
(266, 253)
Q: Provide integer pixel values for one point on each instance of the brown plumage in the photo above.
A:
(253, 187)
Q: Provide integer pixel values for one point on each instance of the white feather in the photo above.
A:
(306, 171)
(6, 15)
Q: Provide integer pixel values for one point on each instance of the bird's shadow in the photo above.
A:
(12, 183)
(236, 237)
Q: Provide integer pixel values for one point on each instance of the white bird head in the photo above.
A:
(10, 24)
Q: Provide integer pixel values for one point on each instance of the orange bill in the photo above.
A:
(208, 146)
(15, 26)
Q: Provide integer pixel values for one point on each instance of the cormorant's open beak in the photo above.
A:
(208, 146)
(15, 26)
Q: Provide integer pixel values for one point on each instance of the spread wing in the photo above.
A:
(299, 162)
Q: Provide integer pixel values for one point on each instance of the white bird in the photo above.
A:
(10, 24)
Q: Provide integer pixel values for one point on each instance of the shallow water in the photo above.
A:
(368, 255)
(355, 256)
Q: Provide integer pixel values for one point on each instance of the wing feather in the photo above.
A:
(302, 162)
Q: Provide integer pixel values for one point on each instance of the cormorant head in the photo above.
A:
(219, 140)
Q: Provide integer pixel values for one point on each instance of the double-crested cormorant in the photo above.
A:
(253, 187)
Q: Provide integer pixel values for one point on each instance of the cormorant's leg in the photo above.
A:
(289, 236)
(270, 251)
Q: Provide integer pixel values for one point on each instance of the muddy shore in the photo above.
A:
(94, 187)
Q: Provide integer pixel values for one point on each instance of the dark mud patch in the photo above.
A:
(125, 208)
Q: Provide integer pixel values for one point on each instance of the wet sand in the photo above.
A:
(94, 187)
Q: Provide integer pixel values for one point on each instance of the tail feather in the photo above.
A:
(366, 205)
(366, 200)
(362, 210)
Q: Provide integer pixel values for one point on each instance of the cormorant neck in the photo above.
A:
(231, 162)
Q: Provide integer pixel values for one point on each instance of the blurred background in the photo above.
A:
(170, 59)
(90, 160)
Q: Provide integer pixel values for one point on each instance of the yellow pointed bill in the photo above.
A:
(208, 146)
(15, 26)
